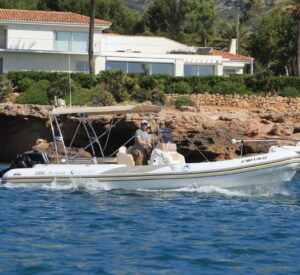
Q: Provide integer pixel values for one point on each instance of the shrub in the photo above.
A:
(98, 96)
(230, 87)
(84, 80)
(181, 87)
(290, 92)
(202, 88)
(24, 84)
(35, 94)
(183, 101)
(115, 82)
(5, 87)
(158, 97)
(140, 95)
(60, 88)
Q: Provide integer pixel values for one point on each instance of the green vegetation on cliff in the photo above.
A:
(109, 87)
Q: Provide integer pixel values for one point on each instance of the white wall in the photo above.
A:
(41, 38)
(39, 61)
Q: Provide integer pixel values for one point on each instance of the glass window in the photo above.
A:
(190, 70)
(1, 65)
(162, 68)
(198, 70)
(71, 41)
(136, 67)
(63, 41)
(80, 42)
(229, 71)
(82, 66)
(206, 70)
(116, 65)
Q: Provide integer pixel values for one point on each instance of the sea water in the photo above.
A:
(79, 229)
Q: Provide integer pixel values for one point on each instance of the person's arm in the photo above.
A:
(143, 142)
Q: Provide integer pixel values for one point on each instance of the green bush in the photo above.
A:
(158, 97)
(230, 87)
(290, 92)
(24, 84)
(140, 95)
(115, 81)
(5, 87)
(181, 87)
(60, 88)
(35, 94)
(84, 80)
(123, 86)
(201, 88)
(97, 96)
(183, 101)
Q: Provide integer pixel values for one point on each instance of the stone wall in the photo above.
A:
(268, 103)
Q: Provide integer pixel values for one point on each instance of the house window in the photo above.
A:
(1, 65)
(197, 70)
(116, 65)
(71, 41)
(138, 67)
(82, 66)
(229, 71)
(162, 68)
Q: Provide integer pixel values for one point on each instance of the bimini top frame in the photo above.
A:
(83, 113)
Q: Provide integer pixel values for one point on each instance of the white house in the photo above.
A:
(58, 41)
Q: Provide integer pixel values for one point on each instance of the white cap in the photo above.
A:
(145, 122)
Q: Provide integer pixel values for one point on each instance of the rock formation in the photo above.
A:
(210, 129)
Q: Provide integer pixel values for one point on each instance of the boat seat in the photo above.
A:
(167, 147)
(124, 158)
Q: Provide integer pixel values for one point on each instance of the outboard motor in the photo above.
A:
(27, 160)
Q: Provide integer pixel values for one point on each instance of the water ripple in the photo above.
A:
(81, 229)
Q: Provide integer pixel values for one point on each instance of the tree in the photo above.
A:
(274, 43)
(91, 37)
(52, 5)
(197, 20)
(189, 21)
(124, 20)
(227, 31)
(162, 18)
(292, 6)
(18, 4)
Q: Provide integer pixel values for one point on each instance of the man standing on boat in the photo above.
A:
(142, 145)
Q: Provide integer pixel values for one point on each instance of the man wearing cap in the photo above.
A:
(142, 145)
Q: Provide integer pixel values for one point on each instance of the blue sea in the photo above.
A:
(84, 230)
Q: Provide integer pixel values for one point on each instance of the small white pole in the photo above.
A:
(70, 83)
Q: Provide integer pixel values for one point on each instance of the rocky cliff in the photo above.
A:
(209, 127)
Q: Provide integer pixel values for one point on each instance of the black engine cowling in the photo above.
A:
(27, 160)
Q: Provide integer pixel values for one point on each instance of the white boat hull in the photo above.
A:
(272, 168)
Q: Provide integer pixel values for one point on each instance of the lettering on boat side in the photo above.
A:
(56, 173)
(254, 159)
(39, 173)
(17, 174)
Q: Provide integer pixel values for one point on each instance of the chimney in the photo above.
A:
(233, 46)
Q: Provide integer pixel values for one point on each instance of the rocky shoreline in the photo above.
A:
(210, 126)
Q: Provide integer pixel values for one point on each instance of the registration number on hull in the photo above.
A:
(247, 160)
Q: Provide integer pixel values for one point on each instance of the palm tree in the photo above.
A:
(91, 37)
(228, 31)
(292, 6)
